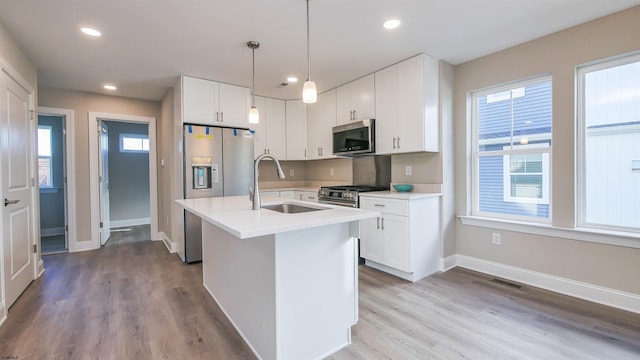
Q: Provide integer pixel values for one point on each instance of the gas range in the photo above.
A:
(345, 195)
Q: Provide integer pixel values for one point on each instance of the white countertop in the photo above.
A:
(398, 195)
(293, 188)
(234, 215)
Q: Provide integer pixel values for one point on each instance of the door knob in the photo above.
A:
(9, 202)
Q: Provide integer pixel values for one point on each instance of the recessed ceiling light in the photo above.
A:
(90, 31)
(391, 24)
(292, 79)
(110, 87)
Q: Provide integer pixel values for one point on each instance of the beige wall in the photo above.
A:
(165, 173)
(557, 54)
(82, 103)
(12, 55)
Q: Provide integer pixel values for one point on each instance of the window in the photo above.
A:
(525, 179)
(608, 151)
(45, 166)
(137, 143)
(511, 150)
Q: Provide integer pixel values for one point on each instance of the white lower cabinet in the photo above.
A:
(285, 194)
(405, 239)
(306, 195)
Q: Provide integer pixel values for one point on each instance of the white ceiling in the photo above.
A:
(146, 44)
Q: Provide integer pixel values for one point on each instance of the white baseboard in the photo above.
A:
(40, 268)
(598, 294)
(83, 246)
(448, 263)
(130, 222)
(3, 314)
(52, 231)
(171, 246)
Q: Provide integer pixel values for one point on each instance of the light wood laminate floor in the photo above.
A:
(137, 301)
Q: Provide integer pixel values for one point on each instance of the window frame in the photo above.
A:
(133, 136)
(581, 139)
(476, 154)
(50, 157)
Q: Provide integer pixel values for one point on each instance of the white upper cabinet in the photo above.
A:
(320, 121)
(211, 103)
(235, 102)
(199, 101)
(356, 100)
(296, 129)
(269, 135)
(406, 101)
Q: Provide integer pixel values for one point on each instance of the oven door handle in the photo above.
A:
(339, 203)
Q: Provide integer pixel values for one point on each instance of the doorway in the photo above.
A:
(102, 228)
(64, 183)
(124, 177)
(52, 185)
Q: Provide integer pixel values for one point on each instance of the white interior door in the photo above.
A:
(105, 219)
(16, 142)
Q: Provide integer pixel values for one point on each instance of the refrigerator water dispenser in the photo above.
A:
(201, 167)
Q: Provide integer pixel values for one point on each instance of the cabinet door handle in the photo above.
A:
(394, 142)
(378, 223)
(319, 151)
(382, 224)
(305, 153)
(311, 197)
(354, 115)
(221, 116)
(217, 115)
(398, 142)
(378, 205)
(268, 151)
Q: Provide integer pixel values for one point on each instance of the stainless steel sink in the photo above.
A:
(292, 208)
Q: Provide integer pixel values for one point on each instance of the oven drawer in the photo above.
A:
(387, 206)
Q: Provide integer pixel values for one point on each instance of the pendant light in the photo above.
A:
(309, 92)
(254, 115)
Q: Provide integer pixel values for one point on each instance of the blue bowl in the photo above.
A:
(403, 187)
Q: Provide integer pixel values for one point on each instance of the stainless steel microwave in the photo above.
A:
(354, 138)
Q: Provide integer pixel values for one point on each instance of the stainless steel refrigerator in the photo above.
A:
(217, 162)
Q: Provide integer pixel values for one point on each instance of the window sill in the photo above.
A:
(48, 190)
(608, 237)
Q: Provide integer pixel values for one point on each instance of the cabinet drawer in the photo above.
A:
(387, 206)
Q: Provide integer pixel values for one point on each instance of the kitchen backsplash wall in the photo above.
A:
(339, 170)
(426, 168)
(268, 170)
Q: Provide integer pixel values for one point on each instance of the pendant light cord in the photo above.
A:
(308, 46)
(253, 81)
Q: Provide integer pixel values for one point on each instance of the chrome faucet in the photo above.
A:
(254, 192)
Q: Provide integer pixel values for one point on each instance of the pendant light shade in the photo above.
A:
(309, 92)
(254, 115)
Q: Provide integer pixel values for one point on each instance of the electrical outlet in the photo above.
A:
(292, 172)
(495, 239)
(331, 172)
(408, 170)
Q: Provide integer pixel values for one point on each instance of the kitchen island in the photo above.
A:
(287, 282)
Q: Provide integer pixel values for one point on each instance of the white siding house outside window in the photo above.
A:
(45, 166)
(609, 144)
(511, 150)
(136, 143)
